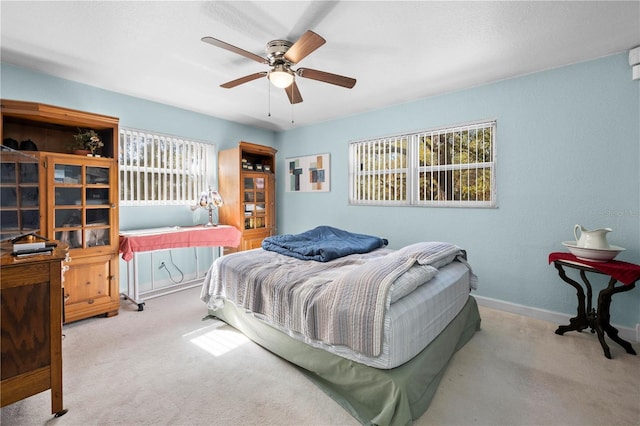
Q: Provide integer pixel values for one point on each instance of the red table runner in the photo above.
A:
(626, 273)
(168, 238)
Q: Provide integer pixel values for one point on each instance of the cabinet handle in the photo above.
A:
(90, 301)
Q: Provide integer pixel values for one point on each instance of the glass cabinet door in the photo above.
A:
(254, 201)
(19, 194)
(81, 204)
(29, 197)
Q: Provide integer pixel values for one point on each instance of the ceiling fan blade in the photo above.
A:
(242, 80)
(234, 49)
(293, 93)
(327, 77)
(306, 44)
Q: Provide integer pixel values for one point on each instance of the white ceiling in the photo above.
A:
(397, 51)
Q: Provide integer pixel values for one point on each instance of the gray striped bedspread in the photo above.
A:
(341, 302)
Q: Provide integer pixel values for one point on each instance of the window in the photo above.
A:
(453, 167)
(162, 170)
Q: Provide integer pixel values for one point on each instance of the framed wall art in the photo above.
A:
(309, 174)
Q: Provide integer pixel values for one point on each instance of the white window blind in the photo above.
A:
(379, 170)
(159, 169)
(452, 167)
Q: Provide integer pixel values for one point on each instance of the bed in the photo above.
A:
(374, 328)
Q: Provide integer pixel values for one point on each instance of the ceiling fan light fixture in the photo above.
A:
(281, 77)
(281, 55)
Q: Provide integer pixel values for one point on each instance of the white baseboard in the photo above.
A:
(627, 333)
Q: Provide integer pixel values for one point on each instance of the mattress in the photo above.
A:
(412, 322)
(415, 320)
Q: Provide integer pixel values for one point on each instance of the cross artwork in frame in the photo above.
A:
(309, 174)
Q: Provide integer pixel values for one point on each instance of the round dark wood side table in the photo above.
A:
(598, 319)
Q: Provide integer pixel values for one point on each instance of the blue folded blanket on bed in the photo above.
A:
(322, 244)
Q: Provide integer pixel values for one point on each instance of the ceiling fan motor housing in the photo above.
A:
(275, 51)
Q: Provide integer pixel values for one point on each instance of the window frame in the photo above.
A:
(414, 170)
(175, 183)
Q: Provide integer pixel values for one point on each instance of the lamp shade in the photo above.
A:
(210, 200)
(281, 77)
(215, 198)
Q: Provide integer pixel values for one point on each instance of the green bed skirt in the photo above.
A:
(373, 396)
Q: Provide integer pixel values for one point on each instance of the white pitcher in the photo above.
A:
(596, 239)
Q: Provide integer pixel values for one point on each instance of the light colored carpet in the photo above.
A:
(166, 366)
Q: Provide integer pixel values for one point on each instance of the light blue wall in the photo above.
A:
(568, 149)
(20, 83)
(568, 152)
(23, 84)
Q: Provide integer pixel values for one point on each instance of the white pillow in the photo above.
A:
(413, 278)
(434, 253)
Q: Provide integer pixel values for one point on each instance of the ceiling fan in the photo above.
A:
(281, 56)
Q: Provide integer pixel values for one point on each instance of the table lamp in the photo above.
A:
(210, 200)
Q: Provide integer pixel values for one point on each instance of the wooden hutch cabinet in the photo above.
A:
(246, 182)
(78, 200)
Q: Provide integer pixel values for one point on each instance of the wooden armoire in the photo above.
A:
(246, 182)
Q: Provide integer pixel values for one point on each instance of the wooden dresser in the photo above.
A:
(31, 323)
